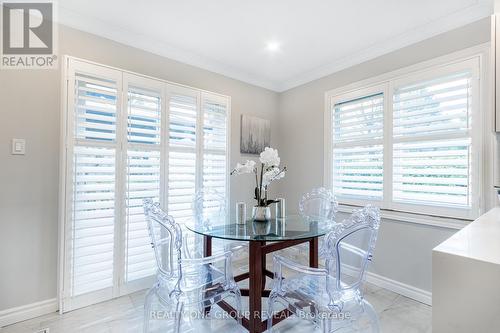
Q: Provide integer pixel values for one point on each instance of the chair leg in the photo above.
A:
(147, 309)
(270, 311)
(178, 317)
(326, 325)
(239, 310)
(372, 315)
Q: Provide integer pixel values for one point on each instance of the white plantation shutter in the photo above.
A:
(432, 141)
(357, 137)
(411, 143)
(433, 172)
(93, 219)
(144, 116)
(182, 159)
(143, 173)
(198, 139)
(95, 108)
(143, 181)
(215, 150)
(90, 201)
(128, 138)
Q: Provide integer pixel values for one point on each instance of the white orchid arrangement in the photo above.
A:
(269, 172)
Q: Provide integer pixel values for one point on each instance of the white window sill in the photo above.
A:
(436, 221)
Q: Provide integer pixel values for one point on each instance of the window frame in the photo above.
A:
(473, 59)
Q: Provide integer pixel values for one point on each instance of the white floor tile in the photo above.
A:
(397, 314)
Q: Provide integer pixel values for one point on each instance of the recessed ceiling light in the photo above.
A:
(273, 46)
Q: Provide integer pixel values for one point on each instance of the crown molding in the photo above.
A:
(481, 9)
(140, 41)
(456, 20)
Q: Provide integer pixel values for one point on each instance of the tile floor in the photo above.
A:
(397, 314)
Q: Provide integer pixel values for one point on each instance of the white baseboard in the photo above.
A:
(412, 292)
(29, 311)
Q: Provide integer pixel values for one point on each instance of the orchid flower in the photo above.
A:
(269, 172)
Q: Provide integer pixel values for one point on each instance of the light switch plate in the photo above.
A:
(18, 146)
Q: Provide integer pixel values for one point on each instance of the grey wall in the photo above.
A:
(30, 109)
(404, 250)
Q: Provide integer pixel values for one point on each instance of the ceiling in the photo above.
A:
(314, 38)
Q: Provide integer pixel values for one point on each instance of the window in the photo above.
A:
(358, 128)
(128, 138)
(409, 143)
(432, 141)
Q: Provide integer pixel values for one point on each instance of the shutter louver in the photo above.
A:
(429, 169)
(181, 184)
(143, 181)
(214, 145)
(93, 219)
(433, 107)
(182, 160)
(143, 177)
(182, 120)
(215, 172)
(144, 117)
(214, 125)
(357, 148)
(95, 108)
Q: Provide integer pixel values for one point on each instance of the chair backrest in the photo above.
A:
(318, 205)
(349, 247)
(209, 207)
(166, 239)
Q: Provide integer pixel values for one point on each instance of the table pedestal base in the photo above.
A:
(257, 280)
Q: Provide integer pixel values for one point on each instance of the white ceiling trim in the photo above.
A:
(447, 23)
(460, 18)
(100, 28)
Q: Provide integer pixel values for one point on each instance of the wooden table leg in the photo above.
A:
(256, 275)
(313, 252)
(264, 269)
(207, 246)
(207, 252)
(255, 287)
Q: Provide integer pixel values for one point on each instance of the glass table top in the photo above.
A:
(293, 227)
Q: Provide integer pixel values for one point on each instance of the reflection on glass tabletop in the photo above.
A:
(293, 227)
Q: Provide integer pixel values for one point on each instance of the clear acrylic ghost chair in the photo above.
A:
(205, 215)
(183, 282)
(210, 210)
(332, 297)
(318, 205)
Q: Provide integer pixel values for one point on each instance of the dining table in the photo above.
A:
(262, 238)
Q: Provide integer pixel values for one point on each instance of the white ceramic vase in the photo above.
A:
(261, 213)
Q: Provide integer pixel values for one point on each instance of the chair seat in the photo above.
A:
(197, 284)
(310, 291)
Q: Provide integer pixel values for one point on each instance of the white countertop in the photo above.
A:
(480, 240)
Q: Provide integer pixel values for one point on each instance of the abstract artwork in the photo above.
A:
(255, 135)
